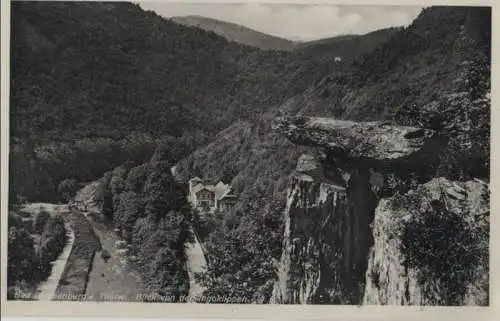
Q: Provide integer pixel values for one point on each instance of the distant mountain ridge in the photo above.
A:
(237, 33)
(328, 40)
(347, 46)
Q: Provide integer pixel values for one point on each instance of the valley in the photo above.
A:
(110, 277)
(347, 162)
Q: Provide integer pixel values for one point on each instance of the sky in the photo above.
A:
(298, 22)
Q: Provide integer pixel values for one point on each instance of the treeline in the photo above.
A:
(32, 246)
(451, 92)
(76, 73)
(150, 210)
(36, 172)
(46, 173)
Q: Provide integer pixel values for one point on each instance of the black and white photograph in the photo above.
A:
(248, 153)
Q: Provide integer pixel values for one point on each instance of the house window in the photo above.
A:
(206, 199)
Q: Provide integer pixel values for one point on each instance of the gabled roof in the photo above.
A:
(201, 187)
(196, 179)
(220, 190)
(226, 193)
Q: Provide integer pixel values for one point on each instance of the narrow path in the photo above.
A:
(48, 288)
(196, 263)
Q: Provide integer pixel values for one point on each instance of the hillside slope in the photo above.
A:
(76, 59)
(435, 73)
(237, 33)
(90, 80)
(90, 69)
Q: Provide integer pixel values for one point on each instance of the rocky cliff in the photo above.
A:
(431, 246)
(365, 222)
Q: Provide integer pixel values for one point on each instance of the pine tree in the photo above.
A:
(105, 196)
(161, 192)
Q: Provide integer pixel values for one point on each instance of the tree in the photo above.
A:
(167, 276)
(106, 197)
(136, 178)
(162, 194)
(131, 210)
(40, 221)
(158, 238)
(53, 239)
(117, 186)
(20, 253)
(67, 189)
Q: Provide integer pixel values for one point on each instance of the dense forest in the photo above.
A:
(90, 79)
(98, 87)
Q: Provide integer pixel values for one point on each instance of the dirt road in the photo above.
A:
(196, 263)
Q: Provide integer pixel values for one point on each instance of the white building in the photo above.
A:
(210, 197)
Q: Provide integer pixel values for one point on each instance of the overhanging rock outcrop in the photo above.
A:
(331, 250)
(374, 144)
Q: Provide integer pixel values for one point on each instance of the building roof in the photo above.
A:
(196, 179)
(221, 190)
(199, 187)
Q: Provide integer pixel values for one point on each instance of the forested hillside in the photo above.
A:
(89, 79)
(437, 79)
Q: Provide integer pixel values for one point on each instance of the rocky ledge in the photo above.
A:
(371, 142)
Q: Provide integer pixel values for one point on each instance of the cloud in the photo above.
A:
(295, 21)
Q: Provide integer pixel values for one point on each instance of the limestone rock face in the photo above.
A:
(326, 238)
(427, 256)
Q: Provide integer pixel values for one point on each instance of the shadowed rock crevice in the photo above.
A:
(327, 236)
